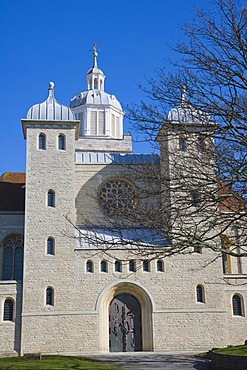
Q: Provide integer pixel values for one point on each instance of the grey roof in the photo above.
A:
(50, 109)
(186, 113)
(94, 69)
(95, 97)
(115, 158)
(91, 236)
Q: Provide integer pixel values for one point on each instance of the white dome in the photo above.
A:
(95, 97)
(50, 109)
(186, 113)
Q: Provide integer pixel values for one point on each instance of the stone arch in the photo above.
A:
(146, 302)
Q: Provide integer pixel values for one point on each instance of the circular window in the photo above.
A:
(117, 196)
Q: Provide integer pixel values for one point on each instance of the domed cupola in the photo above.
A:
(186, 113)
(50, 109)
(100, 114)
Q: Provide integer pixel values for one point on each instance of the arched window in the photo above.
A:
(118, 266)
(8, 310)
(49, 296)
(42, 141)
(61, 142)
(200, 296)
(237, 305)
(197, 248)
(146, 266)
(13, 258)
(160, 266)
(132, 266)
(103, 266)
(195, 199)
(50, 246)
(51, 198)
(201, 146)
(89, 266)
(182, 144)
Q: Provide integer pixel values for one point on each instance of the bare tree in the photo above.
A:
(194, 196)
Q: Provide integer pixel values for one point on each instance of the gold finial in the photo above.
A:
(95, 54)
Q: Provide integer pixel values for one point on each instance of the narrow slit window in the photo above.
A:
(61, 142)
(50, 246)
(118, 266)
(51, 198)
(197, 248)
(103, 266)
(195, 199)
(89, 266)
(160, 266)
(146, 266)
(50, 296)
(132, 266)
(8, 310)
(200, 297)
(201, 146)
(182, 144)
(237, 305)
(42, 142)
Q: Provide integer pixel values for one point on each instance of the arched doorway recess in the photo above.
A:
(136, 294)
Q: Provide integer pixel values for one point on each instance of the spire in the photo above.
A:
(183, 95)
(95, 77)
(95, 54)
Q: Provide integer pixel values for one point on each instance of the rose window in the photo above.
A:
(117, 196)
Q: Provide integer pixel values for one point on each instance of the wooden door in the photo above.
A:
(125, 334)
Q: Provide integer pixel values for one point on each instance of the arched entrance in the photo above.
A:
(127, 294)
(125, 324)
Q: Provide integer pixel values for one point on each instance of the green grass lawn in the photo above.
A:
(52, 362)
(235, 350)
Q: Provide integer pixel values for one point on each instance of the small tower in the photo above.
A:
(100, 114)
(50, 130)
(188, 170)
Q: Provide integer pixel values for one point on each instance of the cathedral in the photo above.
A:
(68, 282)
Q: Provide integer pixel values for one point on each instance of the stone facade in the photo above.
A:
(62, 305)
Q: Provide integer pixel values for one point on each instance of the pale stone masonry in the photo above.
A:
(77, 294)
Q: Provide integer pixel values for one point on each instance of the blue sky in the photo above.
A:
(51, 40)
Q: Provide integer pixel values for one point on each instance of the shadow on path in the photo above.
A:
(154, 361)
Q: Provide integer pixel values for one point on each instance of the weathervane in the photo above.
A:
(95, 54)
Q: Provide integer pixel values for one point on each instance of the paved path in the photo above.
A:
(147, 361)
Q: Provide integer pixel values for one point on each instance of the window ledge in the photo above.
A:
(235, 276)
(7, 323)
(2, 282)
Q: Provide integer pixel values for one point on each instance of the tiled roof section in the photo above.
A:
(229, 201)
(12, 191)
